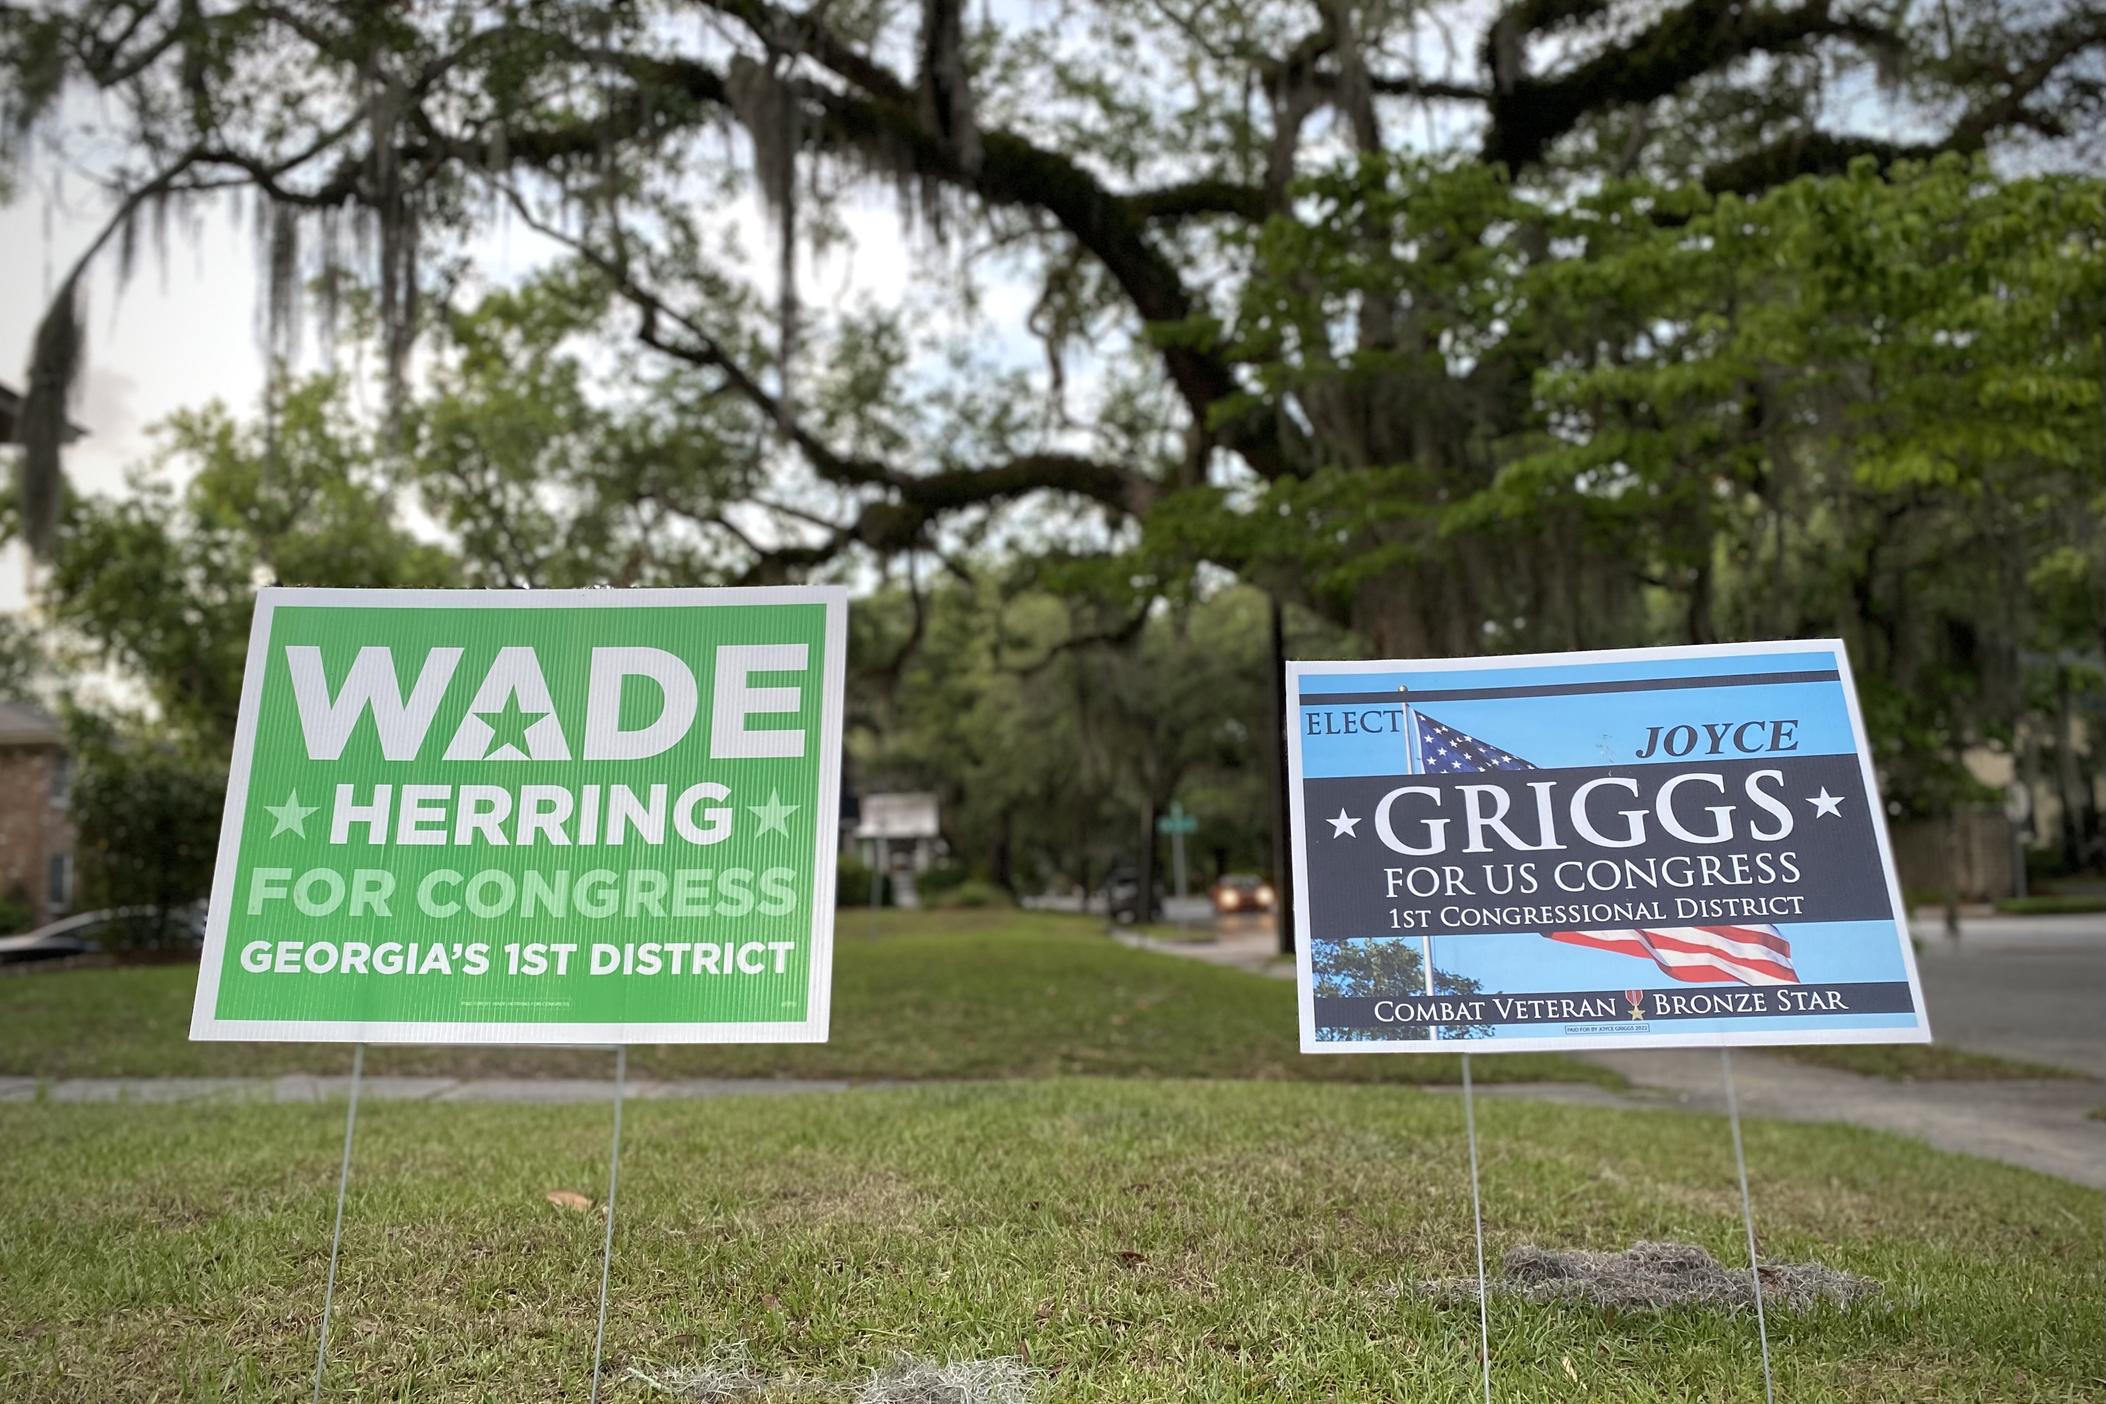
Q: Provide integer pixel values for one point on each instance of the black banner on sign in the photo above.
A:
(1782, 839)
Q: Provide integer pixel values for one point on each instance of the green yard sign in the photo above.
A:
(531, 816)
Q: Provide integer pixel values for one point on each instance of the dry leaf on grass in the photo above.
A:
(570, 1199)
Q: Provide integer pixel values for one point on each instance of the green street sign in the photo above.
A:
(1176, 821)
(531, 816)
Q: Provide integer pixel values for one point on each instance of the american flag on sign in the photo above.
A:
(1740, 954)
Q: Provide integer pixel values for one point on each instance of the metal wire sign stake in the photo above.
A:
(1484, 1324)
(614, 1170)
(1747, 1217)
(336, 1238)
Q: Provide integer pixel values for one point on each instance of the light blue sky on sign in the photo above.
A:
(1607, 729)
(1586, 729)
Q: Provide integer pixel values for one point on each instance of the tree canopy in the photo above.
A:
(1465, 326)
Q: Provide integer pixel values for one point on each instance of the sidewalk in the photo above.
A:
(302, 1087)
(2040, 1126)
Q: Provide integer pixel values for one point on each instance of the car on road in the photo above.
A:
(1242, 892)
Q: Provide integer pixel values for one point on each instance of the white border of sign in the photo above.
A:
(205, 1024)
(1304, 975)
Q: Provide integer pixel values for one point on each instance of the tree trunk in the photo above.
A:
(1388, 613)
(1282, 837)
(1001, 864)
(1144, 898)
(2067, 784)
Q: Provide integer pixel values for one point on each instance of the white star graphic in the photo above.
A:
(1825, 804)
(1342, 826)
(774, 816)
(291, 815)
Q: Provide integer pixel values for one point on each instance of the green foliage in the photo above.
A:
(1866, 406)
(14, 911)
(973, 894)
(21, 661)
(148, 820)
(547, 471)
(940, 878)
(159, 584)
(1053, 729)
(852, 885)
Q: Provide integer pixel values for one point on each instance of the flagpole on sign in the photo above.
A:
(1412, 767)
(336, 1237)
(1747, 1217)
(614, 1170)
(1484, 1322)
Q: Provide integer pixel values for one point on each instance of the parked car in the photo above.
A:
(1122, 897)
(92, 931)
(1242, 892)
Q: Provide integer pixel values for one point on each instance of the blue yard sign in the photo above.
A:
(1641, 848)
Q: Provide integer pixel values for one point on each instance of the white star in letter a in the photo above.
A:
(1342, 826)
(1825, 804)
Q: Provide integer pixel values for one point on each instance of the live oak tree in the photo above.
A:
(157, 587)
(1873, 406)
(1123, 154)
(1472, 326)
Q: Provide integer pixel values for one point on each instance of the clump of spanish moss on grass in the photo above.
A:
(1004, 1380)
(1657, 1277)
(726, 1375)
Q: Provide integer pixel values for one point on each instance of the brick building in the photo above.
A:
(36, 825)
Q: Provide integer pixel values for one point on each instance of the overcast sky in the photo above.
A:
(174, 341)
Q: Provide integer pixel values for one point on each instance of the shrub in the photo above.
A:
(14, 912)
(973, 892)
(852, 886)
(149, 828)
(941, 878)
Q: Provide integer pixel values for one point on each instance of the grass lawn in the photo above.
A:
(1135, 1241)
(1917, 1062)
(925, 995)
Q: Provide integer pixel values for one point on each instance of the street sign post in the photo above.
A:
(1178, 825)
(571, 816)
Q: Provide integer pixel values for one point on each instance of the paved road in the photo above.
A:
(2025, 987)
